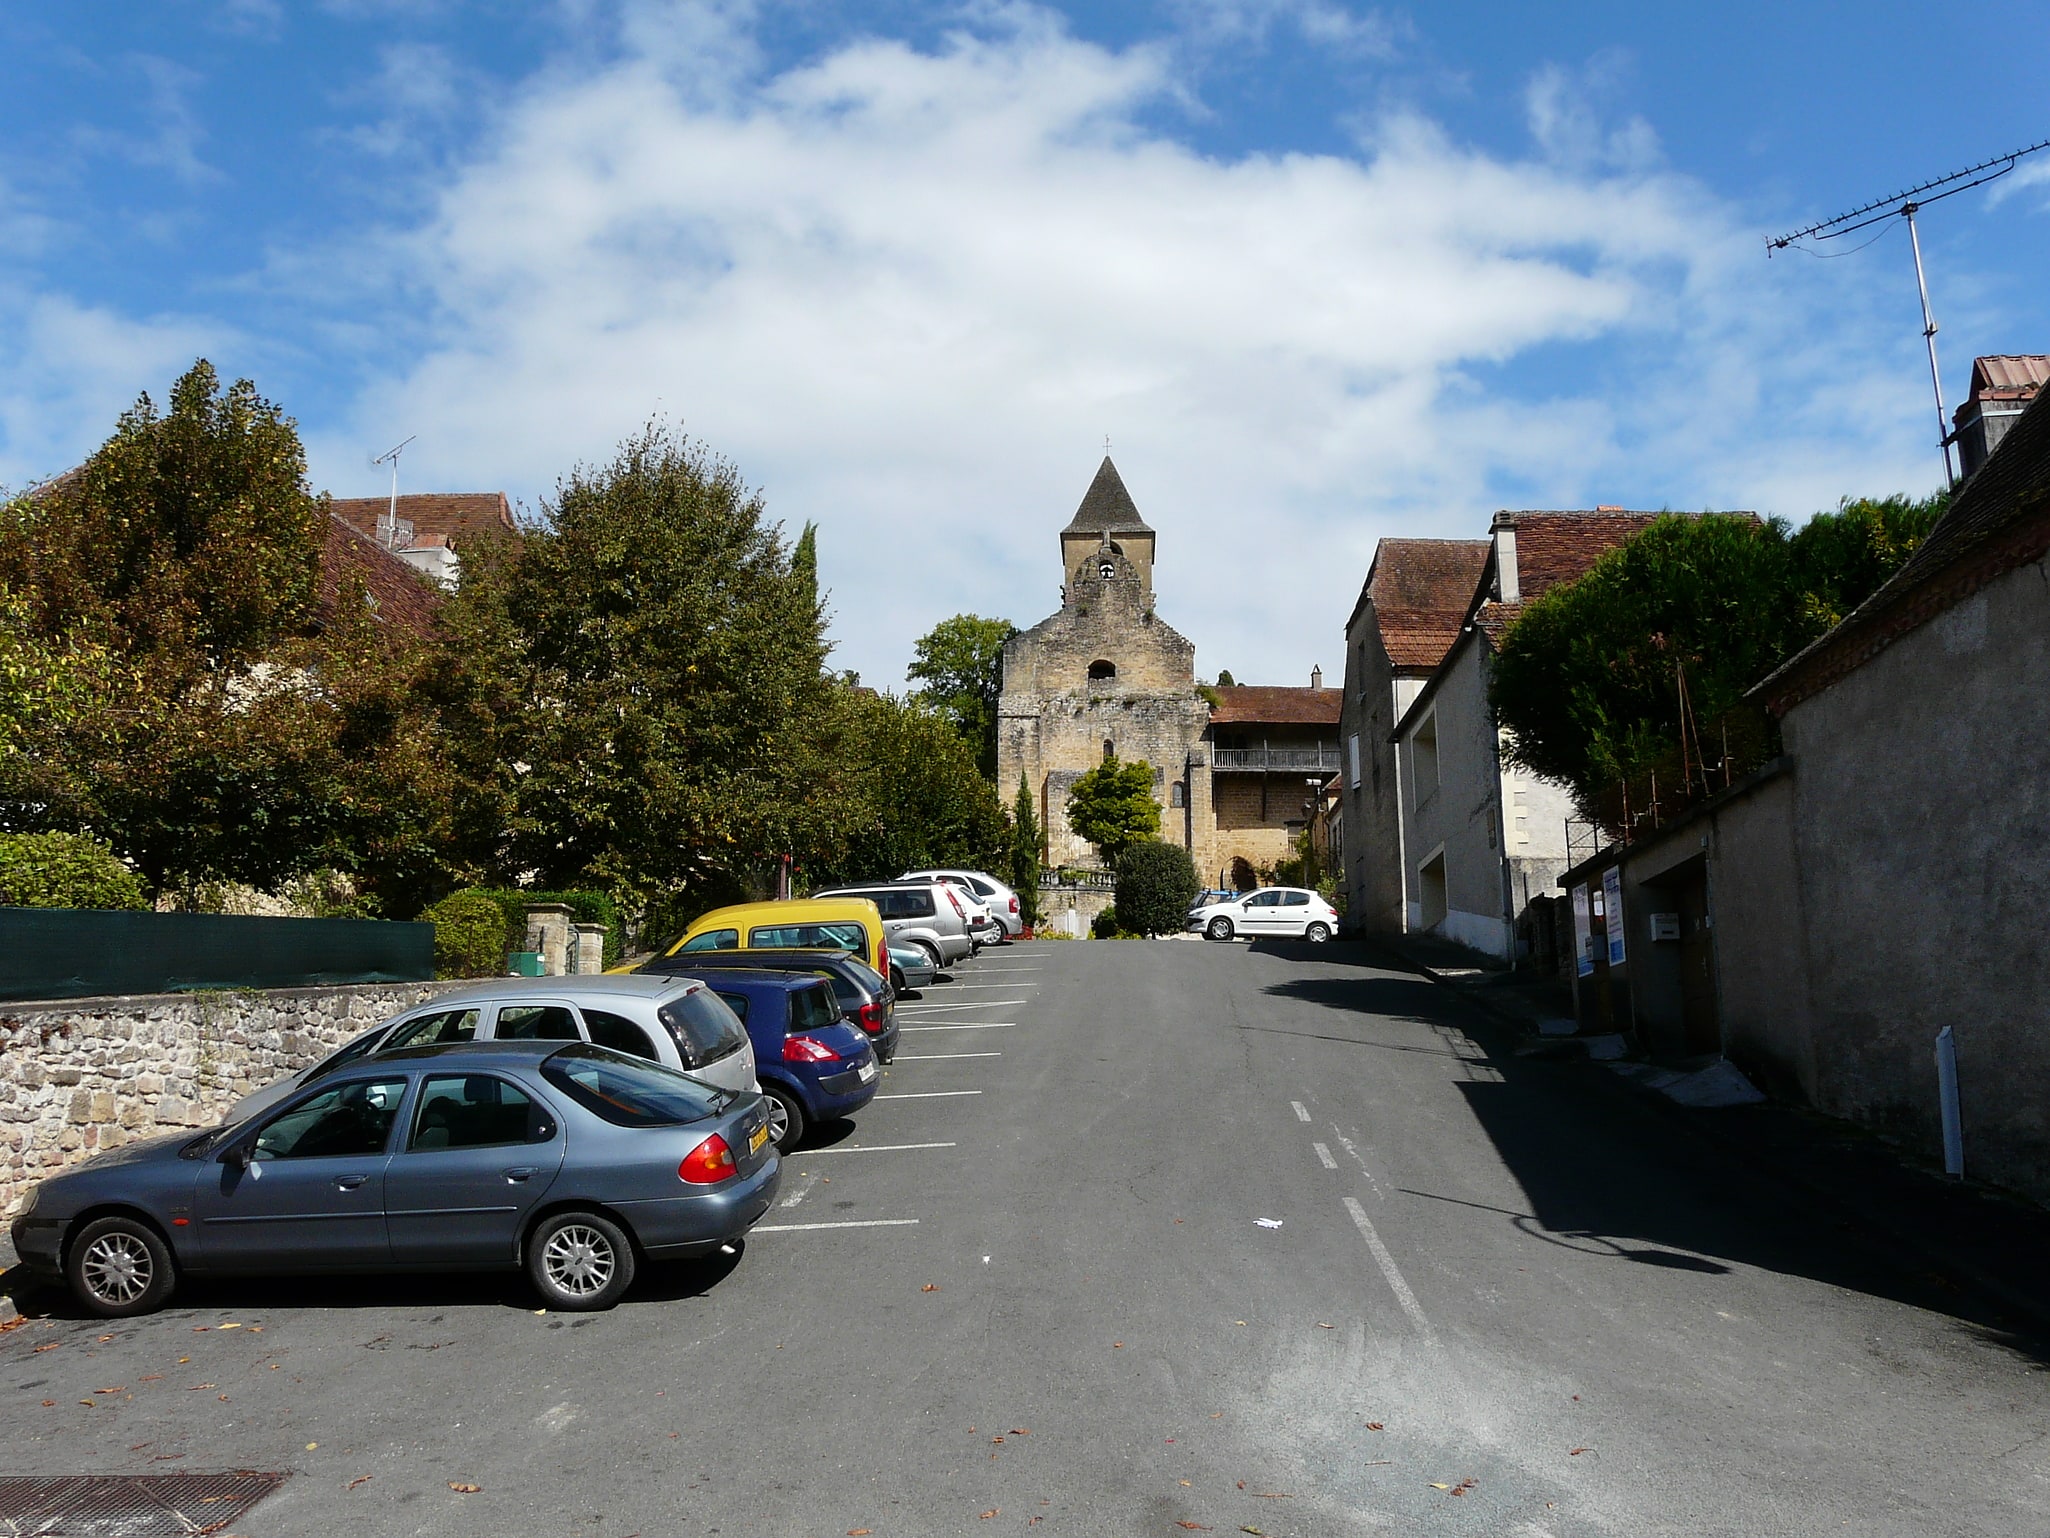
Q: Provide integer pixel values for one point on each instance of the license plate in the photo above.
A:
(761, 1136)
(868, 1071)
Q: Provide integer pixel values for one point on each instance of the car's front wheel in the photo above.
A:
(119, 1267)
(932, 953)
(580, 1261)
(786, 1118)
(1219, 928)
(1318, 933)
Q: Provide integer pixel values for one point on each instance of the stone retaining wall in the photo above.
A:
(81, 1075)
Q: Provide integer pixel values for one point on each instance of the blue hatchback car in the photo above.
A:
(812, 1064)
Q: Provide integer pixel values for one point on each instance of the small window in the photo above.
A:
(714, 940)
(475, 1110)
(432, 1030)
(620, 1034)
(349, 1121)
(737, 1002)
(1099, 671)
(536, 1022)
(813, 1009)
(704, 1029)
(1176, 795)
(1423, 758)
(1352, 745)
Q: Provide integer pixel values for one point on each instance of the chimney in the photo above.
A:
(1508, 588)
(1316, 678)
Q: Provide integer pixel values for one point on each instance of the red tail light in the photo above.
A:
(871, 1017)
(806, 1049)
(708, 1163)
(882, 958)
(963, 912)
(1014, 905)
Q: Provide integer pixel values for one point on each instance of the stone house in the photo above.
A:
(1410, 611)
(1479, 837)
(1106, 674)
(429, 530)
(1883, 880)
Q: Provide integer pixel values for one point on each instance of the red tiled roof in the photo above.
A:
(2009, 376)
(1554, 548)
(461, 517)
(1275, 705)
(1420, 590)
(403, 597)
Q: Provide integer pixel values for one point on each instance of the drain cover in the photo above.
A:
(128, 1505)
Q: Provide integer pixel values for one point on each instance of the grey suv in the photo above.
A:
(920, 913)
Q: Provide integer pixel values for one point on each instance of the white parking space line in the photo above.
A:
(979, 1025)
(989, 1004)
(801, 1192)
(807, 1228)
(1386, 1262)
(931, 1094)
(875, 1148)
(1301, 1112)
(986, 987)
(1324, 1156)
(937, 1057)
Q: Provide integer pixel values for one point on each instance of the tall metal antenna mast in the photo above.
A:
(388, 526)
(1906, 205)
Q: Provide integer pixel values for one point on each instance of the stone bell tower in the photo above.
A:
(1103, 675)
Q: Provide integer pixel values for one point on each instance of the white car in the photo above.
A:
(1286, 911)
(999, 899)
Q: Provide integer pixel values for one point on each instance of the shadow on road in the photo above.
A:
(1606, 1171)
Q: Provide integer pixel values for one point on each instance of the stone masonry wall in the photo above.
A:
(82, 1075)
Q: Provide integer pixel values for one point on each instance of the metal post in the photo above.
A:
(1929, 336)
(1946, 1093)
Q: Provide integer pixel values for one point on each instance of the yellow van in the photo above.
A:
(851, 924)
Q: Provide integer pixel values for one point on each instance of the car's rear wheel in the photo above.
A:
(119, 1267)
(1318, 933)
(787, 1121)
(1219, 929)
(579, 1261)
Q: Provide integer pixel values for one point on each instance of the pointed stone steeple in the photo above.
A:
(1108, 516)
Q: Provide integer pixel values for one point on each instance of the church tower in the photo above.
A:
(1103, 675)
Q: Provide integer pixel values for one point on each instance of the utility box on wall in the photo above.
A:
(1665, 926)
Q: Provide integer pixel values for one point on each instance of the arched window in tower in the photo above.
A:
(1102, 672)
(1110, 748)
(1177, 797)
(1106, 570)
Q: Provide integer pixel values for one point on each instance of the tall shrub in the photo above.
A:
(1156, 886)
(64, 870)
(471, 935)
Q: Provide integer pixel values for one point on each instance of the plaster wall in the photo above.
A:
(1922, 827)
(1760, 926)
(1373, 813)
(1456, 809)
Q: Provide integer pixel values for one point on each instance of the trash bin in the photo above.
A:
(523, 964)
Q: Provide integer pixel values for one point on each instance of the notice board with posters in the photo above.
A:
(1612, 912)
(1583, 931)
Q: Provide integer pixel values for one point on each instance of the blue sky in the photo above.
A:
(1322, 274)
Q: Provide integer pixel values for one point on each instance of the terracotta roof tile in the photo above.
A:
(1420, 590)
(458, 516)
(404, 598)
(1276, 706)
(2009, 376)
(1556, 547)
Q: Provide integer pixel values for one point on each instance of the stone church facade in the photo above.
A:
(1106, 674)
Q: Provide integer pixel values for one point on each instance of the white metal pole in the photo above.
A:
(1929, 337)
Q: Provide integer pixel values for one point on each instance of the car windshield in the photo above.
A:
(629, 1092)
(703, 1028)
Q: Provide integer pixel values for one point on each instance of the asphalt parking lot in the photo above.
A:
(1137, 1238)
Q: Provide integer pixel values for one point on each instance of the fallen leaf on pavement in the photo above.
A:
(1238, 1321)
(198, 1386)
(183, 1360)
(51, 1347)
(1323, 1326)
(227, 1326)
(930, 1287)
(1183, 1483)
(1376, 1426)
(1117, 1345)
(1020, 1431)
(857, 1532)
(105, 1338)
(151, 1377)
(989, 1513)
(359, 1479)
(462, 1489)
(1436, 1486)
(311, 1445)
(223, 1398)
(48, 1402)
(1193, 1527)
(117, 1389)
(1576, 1452)
(1256, 1532)
(1272, 1495)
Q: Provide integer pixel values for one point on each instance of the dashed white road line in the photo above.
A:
(1386, 1262)
(806, 1228)
(1324, 1156)
(1301, 1112)
(979, 1025)
(873, 1148)
(938, 1057)
(931, 1094)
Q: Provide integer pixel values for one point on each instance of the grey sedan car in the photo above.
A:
(566, 1159)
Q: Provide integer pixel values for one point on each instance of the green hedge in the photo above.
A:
(64, 870)
(1156, 886)
(470, 935)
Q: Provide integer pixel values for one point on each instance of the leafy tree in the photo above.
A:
(1595, 679)
(804, 561)
(1156, 887)
(960, 662)
(1025, 846)
(643, 684)
(1112, 805)
(1225, 680)
(64, 870)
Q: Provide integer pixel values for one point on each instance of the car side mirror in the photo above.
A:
(236, 1155)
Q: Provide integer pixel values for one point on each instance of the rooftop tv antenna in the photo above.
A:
(388, 526)
(1906, 205)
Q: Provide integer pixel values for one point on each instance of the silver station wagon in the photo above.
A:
(675, 1021)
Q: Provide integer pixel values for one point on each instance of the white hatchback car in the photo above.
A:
(675, 1021)
(1284, 911)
